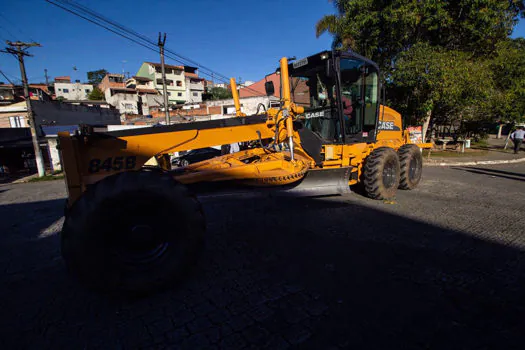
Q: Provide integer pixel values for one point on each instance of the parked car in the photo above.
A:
(195, 156)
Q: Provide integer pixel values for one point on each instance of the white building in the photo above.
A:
(194, 85)
(175, 80)
(73, 91)
(124, 99)
(248, 104)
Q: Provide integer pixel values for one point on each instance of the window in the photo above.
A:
(168, 82)
(87, 91)
(311, 88)
(179, 83)
(195, 94)
(169, 93)
(17, 122)
(359, 88)
(179, 94)
(66, 91)
(59, 89)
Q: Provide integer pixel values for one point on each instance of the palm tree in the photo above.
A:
(335, 25)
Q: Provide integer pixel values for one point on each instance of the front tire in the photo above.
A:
(381, 173)
(133, 233)
(411, 166)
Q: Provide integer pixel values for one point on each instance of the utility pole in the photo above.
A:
(47, 78)
(164, 89)
(20, 53)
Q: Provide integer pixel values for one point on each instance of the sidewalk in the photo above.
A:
(492, 153)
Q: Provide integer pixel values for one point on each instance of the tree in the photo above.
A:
(96, 95)
(441, 59)
(96, 76)
(217, 93)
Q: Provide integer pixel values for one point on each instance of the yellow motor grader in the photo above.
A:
(330, 132)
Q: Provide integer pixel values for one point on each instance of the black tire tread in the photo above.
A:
(372, 174)
(74, 236)
(406, 152)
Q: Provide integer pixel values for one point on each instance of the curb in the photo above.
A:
(481, 162)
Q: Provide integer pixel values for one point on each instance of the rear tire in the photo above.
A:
(411, 166)
(381, 173)
(133, 233)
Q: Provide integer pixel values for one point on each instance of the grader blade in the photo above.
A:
(316, 183)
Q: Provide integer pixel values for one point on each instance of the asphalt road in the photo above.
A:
(440, 267)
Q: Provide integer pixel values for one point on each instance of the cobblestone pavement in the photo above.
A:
(439, 267)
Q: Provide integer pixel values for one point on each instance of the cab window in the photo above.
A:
(312, 89)
(359, 91)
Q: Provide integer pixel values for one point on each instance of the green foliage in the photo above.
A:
(50, 177)
(96, 76)
(217, 93)
(451, 58)
(96, 95)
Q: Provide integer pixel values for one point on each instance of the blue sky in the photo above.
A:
(240, 38)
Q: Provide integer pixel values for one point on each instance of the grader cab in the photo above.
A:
(330, 132)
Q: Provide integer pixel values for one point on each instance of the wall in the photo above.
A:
(147, 70)
(248, 104)
(106, 83)
(176, 94)
(54, 154)
(125, 102)
(17, 112)
(76, 91)
(194, 87)
(149, 101)
(56, 113)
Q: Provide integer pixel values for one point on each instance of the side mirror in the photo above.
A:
(270, 89)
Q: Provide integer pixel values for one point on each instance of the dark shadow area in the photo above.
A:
(498, 171)
(2, 190)
(302, 273)
(490, 172)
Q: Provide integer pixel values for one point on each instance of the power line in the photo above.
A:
(133, 32)
(5, 76)
(129, 33)
(15, 26)
(9, 32)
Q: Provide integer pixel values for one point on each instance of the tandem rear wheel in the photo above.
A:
(381, 173)
(386, 170)
(133, 233)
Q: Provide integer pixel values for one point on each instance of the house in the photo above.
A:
(124, 99)
(71, 91)
(63, 79)
(49, 115)
(14, 115)
(111, 80)
(7, 94)
(10, 94)
(249, 105)
(194, 85)
(175, 81)
(258, 89)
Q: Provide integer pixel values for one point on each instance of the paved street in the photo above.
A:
(440, 267)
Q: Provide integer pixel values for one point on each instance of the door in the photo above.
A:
(359, 91)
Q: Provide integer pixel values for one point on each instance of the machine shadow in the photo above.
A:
(312, 273)
(493, 173)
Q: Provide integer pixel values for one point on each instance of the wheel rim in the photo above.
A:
(414, 169)
(389, 174)
(140, 245)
